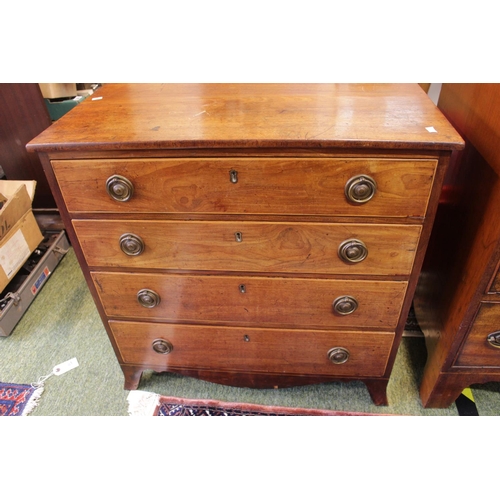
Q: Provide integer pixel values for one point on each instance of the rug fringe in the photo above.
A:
(33, 402)
(142, 403)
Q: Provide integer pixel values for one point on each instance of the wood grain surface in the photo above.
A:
(253, 349)
(473, 107)
(458, 276)
(265, 247)
(152, 116)
(264, 186)
(276, 302)
(476, 351)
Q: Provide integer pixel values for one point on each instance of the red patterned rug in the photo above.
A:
(18, 400)
(149, 404)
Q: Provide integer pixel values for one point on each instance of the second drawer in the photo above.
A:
(244, 300)
(263, 247)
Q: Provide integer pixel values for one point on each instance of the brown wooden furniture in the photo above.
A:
(457, 302)
(251, 235)
(23, 115)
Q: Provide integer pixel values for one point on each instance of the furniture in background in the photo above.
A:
(457, 302)
(252, 235)
(23, 115)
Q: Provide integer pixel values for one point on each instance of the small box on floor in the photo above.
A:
(19, 231)
(57, 90)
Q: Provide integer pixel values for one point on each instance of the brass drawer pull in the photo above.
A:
(131, 244)
(494, 339)
(119, 188)
(345, 305)
(338, 355)
(148, 298)
(162, 346)
(360, 189)
(352, 251)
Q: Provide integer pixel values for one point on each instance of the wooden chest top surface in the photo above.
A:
(158, 116)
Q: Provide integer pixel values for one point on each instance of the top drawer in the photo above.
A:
(300, 186)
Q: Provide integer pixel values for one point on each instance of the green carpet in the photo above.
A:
(63, 323)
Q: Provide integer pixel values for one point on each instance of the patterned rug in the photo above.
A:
(143, 403)
(17, 400)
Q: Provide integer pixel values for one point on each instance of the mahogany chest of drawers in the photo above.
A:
(458, 296)
(251, 235)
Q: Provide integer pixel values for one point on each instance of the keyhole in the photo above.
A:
(238, 236)
(243, 289)
(246, 338)
(233, 175)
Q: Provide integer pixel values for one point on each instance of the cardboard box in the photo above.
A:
(19, 231)
(57, 90)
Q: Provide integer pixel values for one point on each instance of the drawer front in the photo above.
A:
(247, 186)
(253, 350)
(249, 246)
(243, 300)
(477, 350)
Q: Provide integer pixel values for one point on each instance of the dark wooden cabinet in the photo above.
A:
(23, 115)
(252, 235)
(457, 301)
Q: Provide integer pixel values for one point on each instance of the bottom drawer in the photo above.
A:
(304, 352)
(477, 350)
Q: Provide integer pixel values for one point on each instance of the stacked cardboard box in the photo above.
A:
(19, 231)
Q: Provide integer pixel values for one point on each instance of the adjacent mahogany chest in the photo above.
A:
(251, 235)
(458, 296)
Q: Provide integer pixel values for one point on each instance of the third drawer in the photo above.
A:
(245, 300)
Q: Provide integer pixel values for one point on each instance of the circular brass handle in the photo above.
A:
(131, 244)
(494, 339)
(148, 298)
(119, 188)
(345, 305)
(338, 355)
(360, 189)
(162, 346)
(352, 251)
